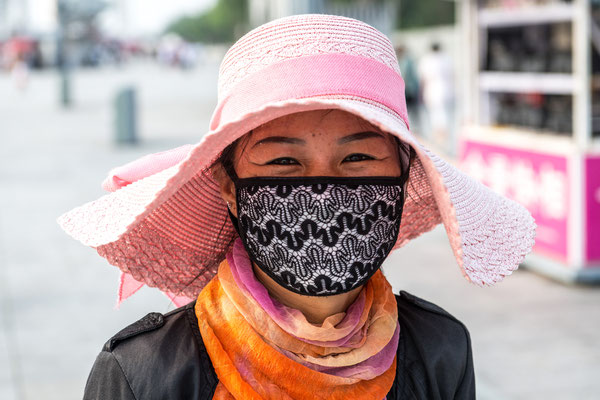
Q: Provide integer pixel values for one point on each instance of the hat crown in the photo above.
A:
(299, 36)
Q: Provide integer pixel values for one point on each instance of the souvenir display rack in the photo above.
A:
(532, 121)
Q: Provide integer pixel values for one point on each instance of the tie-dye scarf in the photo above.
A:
(261, 349)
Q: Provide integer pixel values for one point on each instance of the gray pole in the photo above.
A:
(126, 116)
(62, 54)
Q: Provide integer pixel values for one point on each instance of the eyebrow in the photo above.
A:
(360, 136)
(279, 139)
(292, 140)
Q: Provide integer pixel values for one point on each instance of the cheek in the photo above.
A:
(389, 163)
(393, 168)
(395, 163)
(390, 167)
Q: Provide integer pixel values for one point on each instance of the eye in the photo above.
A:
(357, 157)
(283, 161)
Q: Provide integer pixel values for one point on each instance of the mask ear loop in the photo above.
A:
(234, 221)
(230, 171)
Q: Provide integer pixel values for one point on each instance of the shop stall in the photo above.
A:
(532, 112)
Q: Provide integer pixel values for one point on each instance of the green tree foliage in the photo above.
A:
(423, 13)
(228, 18)
(357, 1)
(416, 13)
(220, 24)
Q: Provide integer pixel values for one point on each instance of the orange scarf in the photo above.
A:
(255, 359)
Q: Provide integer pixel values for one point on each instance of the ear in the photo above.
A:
(226, 187)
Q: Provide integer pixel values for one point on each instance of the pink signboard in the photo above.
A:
(537, 180)
(592, 205)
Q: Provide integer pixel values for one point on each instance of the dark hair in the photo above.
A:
(408, 151)
(225, 159)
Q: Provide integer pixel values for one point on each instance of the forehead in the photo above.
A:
(323, 122)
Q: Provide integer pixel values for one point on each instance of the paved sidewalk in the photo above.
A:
(532, 338)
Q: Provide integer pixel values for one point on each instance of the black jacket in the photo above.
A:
(163, 357)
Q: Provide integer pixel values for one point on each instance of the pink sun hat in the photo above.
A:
(165, 225)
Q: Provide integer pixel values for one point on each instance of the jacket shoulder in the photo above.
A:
(431, 324)
(435, 349)
(155, 347)
(405, 299)
(151, 322)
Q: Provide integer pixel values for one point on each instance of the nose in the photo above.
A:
(323, 165)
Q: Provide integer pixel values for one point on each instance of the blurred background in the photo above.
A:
(507, 90)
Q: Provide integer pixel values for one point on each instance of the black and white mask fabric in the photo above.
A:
(319, 236)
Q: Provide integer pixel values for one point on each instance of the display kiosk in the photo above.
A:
(532, 121)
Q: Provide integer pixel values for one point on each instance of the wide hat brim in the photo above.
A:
(171, 229)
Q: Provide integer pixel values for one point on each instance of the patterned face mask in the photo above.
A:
(319, 236)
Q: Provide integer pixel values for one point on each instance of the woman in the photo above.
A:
(275, 227)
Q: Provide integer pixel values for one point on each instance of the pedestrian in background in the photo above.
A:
(275, 226)
(410, 75)
(435, 72)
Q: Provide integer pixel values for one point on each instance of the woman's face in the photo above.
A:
(314, 143)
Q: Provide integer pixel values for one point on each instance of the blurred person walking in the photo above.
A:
(17, 51)
(436, 77)
(411, 82)
(19, 73)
